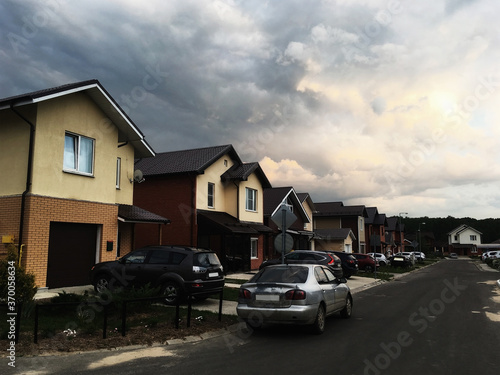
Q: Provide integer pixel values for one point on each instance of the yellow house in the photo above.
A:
(213, 199)
(67, 154)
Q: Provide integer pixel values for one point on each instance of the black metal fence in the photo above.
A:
(42, 308)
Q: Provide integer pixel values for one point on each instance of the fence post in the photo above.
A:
(189, 311)
(36, 325)
(220, 304)
(124, 316)
(105, 322)
(18, 321)
(177, 306)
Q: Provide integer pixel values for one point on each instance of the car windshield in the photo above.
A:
(206, 259)
(295, 274)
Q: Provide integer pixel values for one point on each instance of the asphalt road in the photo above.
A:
(443, 319)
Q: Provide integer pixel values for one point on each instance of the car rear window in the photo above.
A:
(206, 259)
(294, 274)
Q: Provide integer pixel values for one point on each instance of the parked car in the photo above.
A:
(293, 294)
(400, 260)
(419, 256)
(453, 256)
(408, 255)
(494, 254)
(178, 271)
(310, 257)
(349, 263)
(380, 258)
(365, 262)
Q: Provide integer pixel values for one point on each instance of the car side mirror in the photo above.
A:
(342, 280)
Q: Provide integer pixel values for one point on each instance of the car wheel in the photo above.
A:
(102, 284)
(171, 292)
(382, 264)
(347, 310)
(318, 326)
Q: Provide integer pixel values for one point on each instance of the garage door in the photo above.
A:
(72, 250)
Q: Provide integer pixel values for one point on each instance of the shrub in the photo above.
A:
(25, 287)
(495, 263)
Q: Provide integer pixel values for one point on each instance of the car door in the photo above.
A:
(134, 267)
(158, 264)
(327, 287)
(339, 291)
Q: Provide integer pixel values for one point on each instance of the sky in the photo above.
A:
(384, 103)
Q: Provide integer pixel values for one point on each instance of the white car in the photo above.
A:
(380, 258)
(420, 256)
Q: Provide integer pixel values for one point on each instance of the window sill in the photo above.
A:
(79, 173)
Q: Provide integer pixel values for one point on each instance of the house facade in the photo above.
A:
(375, 225)
(464, 240)
(70, 155)
(334, 215)
(213, 200)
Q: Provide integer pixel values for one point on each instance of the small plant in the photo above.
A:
(25, 287)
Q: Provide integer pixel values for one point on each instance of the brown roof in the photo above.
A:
(229, 224)
(338, 209)
(241, 172)
(185, 161)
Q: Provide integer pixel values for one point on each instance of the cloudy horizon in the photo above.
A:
(388, 103)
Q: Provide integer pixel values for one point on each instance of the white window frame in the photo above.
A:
(118, 172)
(473, 237)
(77, 168)
(211, 195)
(251, 199)
(254, 248)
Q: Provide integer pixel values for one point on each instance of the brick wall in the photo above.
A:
(41, 211)
(170, 197)
(10, 214)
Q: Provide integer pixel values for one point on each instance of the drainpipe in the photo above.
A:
(28, 176)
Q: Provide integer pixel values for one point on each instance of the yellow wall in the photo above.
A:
(326, 223)
(14, 146)
(307, 208)
(78, 114)
(212, 174)
(258, 216)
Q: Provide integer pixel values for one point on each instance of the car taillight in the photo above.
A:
(245, 294)
(295, 294)
(332, 261)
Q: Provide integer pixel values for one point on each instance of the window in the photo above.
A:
(473, 237)
(210, 194)
(118, 172)
(78, 154)
(251, 199)
(254, 247)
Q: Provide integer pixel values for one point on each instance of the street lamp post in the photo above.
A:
(400, 234)
(420, 237)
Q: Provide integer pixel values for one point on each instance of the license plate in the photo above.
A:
(267, 297)
(399, 259)
(213, 274)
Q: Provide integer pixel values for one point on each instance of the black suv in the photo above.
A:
(179, 271)
(310, 257)
(349, 263)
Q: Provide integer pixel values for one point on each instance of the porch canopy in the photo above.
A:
(133, 214)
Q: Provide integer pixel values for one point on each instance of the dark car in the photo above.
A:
(178, 271)
(310, 257)
(349, 263)
(365, 262)
(399, 260)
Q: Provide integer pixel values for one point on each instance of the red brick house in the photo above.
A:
(213, 200)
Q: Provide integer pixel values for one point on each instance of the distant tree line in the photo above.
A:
(440, 227)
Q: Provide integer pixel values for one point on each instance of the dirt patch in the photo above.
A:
(142, 335)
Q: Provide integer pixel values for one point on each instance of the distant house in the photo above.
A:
(67, 201)
(339, 239)
(334, 215)
(464, 240)
(395, 235)
(375, 225)
(213, 199)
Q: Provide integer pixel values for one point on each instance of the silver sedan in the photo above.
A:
(293, 294)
